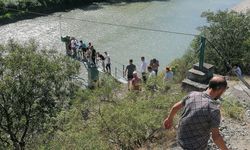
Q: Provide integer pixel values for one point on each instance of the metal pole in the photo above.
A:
(202, 52)
(115, 72)
(123, 69)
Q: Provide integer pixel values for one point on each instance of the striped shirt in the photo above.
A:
(200, 115)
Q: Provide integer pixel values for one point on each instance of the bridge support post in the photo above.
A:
(202, 52)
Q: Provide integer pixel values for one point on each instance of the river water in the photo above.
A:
(122, 43)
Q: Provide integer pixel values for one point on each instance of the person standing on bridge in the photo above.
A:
(83, 47)
(200, 117)
(73, 44)
(107, 62)
(101, 58)
(143, 69)
(129, 72)
(93, 54)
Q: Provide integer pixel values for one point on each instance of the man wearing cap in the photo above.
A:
(200, 117)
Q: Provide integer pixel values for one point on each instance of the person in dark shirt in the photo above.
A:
(200, 117)
(83, 47)
(93, 54)
(129, 71)
(154, 63)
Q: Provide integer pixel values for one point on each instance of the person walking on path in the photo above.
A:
(107, 62)
(129, 72)
(151, 72)
(151, 79)
(201, 116)
(154, 63)
(143, 69)
(136, 82)
(168, 74)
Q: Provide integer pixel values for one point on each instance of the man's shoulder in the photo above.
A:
(191, 96)
(194, 93)
(132, 66)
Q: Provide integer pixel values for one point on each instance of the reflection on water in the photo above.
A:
(122, 43)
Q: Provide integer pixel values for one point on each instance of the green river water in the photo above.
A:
(122, 43)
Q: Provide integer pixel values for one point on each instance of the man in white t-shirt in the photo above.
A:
(107, 62)
(151, 72)
(143, 69)
(151, 80)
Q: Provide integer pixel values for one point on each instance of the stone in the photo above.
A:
(189, 85)
(206, 67)
(197, 76)
(243, 124)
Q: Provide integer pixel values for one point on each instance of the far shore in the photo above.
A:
(243, 6)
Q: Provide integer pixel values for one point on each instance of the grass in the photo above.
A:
(126, 122)
(233, 109)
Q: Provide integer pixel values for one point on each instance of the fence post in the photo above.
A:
(123, 69)
(115, 72)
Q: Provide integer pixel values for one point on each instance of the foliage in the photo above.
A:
(35, 5)
(233, 109)
(229, 32)
(34, 86)
(183, 64)
(109, 118)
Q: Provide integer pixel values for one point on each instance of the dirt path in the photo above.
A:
(237, 133)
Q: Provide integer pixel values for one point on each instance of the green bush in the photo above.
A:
(35, 86)
(183, 64)
(229, 32)
(109, 118)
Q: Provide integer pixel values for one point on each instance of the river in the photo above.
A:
(122, 43)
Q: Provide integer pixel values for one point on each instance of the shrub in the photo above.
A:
(233, 109)
(34, 87)
(110, 118)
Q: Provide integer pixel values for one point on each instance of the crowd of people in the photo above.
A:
(207, 112)
(148, 71)
(79, 50)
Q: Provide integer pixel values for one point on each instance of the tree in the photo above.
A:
(229, 33)
(34, 86)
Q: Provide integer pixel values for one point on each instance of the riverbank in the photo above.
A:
(13, 11)
(243, 6)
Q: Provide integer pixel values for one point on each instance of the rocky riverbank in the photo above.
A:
(236, 133)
